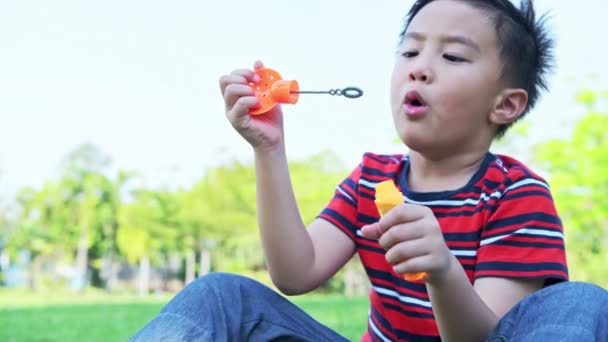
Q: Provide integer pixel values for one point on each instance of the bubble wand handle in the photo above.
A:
(388, 197)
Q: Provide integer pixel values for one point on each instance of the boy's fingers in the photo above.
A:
(258, 65)
(234, 91)
(239, 76)
(247, 73)
(403, 213)
(226, 80)
(242, 106)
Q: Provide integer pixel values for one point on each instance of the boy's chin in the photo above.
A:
(420, 143)
(415, 140)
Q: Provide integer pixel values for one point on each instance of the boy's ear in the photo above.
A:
(509, 105)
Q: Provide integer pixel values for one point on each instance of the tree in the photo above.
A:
(148, 232)
(577, 173)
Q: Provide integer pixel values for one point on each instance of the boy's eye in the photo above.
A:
(410, 54)
(453, 58)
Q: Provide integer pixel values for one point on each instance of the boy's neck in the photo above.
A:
(444, 174)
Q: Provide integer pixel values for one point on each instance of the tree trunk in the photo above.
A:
(190, 266)
(355, 282)
(205, 262)
(144, 275)
(35, 273)
(112, 271)
(81, 260)
(4, 261)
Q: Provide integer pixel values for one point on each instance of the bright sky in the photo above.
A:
(140, 78)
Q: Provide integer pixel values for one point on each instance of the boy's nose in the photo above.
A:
(421, 74)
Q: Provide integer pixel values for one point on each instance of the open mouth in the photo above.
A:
(413, 98)
(415, 106)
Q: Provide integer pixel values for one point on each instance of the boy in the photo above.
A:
(483, 227)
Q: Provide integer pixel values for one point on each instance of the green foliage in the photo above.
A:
(577, 168)
(87, 207)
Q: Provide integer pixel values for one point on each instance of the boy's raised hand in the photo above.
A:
(413, 241)
(263, 132)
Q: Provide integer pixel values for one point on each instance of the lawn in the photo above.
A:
(98, 317)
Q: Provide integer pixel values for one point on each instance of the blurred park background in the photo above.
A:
(121, 181)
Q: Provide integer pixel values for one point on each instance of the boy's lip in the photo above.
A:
(413, 97)
(414, 104)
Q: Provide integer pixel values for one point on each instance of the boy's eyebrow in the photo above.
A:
(446, 39)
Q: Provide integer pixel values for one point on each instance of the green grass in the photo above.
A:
(98, 317)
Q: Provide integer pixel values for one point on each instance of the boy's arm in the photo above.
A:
(466, 312)
(298, 259)
(521, 247)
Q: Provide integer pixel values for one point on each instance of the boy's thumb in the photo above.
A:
(371, 231)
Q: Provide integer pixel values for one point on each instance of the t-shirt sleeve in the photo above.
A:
(524, 235)
(341, 211)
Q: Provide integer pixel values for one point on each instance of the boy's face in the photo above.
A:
(445, 79)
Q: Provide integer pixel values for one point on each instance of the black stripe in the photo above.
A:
(468, 267)
(523, 218)
(465, 213)
(365, 171)
(398, 282)
(409, 312)
(400, 334)
(463, 237)
(370, 248)
(529, 244)
(511, 196)
(513, 231)
(384, 158)
(366, 219)
(380, 322)
(491, 184)
(350, 184)
(347, 200)
(367, 196)
(341, 219)
(521, 267)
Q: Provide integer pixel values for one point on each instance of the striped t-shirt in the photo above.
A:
(503, 223)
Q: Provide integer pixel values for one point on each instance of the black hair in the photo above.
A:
(525, 47)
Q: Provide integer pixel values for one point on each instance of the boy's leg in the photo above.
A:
(569, 311)
(225, 307)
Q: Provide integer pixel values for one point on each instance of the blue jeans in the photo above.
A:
(225, 307)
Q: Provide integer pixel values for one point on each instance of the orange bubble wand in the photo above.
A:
(388, 197)
(272, 90)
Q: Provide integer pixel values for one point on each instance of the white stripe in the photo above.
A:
(397, 161)
(367, 184)
(526, 182)
(464, 253)
(345, 194)
(492, 239)
(469, 201)
(456, 203)
(523, 231)
(376, 330)
(404, 299)
(541, 232)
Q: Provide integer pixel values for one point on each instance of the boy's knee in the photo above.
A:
(214, 288)
(574, 294)
(586, 294)
(216, 281)
(225, 283)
